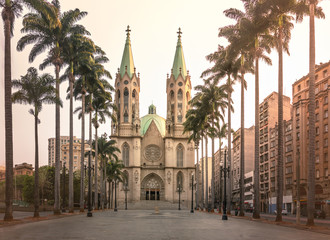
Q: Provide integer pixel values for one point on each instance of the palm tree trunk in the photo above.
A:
(219, 187)
(311, 109)
(57, 145)
(256, 208)
(111, 205)
(279, 198)
(36, 167)
(213, 175)
(241, 180)
(206, 176)
(202, 190)
(71, 144)
(8, 124)
(96, 199)
(90, 146)
(82, 157)
(197, 177)
(101, 184)
(229, 149)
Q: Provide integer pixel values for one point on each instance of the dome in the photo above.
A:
(158, 120)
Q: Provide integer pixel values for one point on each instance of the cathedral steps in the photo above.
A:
(151, 205)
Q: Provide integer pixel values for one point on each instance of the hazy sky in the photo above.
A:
(154, 27)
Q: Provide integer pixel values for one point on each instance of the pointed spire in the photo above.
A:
(127, 64)
(179, 64)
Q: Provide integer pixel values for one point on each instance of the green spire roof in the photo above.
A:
(127, 60)
(179, 62)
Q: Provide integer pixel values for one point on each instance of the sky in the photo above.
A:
(154, 26)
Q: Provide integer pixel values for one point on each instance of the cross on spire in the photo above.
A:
(179, 33)
(127, 31)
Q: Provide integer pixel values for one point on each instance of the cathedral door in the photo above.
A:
(152, 188)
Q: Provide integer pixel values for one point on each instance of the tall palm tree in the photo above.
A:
(257, 41)
(313, 10)
(225, 65)
(114, 174)
(12, 9)
(102, 104)
(35, 90)
(75, 50)
(51, 33)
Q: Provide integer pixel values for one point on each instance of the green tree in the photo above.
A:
(36, 91)
(51, 33)
(12, 9)
(28, 186)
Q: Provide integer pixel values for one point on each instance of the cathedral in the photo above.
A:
(158, 159)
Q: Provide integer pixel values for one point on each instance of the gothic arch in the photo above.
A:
(152, 187)
(125, 154)
(179, 155)
(126, 99)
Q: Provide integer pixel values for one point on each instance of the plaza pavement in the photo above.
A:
(146, 224)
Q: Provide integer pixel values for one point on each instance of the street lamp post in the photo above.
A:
(225, 170)
(192, 193)
(63, 203)
(179, 195)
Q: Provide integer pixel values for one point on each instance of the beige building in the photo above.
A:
(270, 203)
(23, 169)
(268, 119)
(249, 136)
(76, 154)
(157, 156)
(300, 92)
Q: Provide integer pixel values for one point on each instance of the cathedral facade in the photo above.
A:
(158, 159)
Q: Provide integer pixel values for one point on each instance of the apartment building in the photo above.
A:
(300, 93)
(268, 120)
(249, 143)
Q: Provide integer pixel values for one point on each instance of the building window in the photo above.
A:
(326, 128)
(326, 173)
(317, 159)
(180, 113)
(326, 114)
(325, 73)
(326, 100)
(325, 86)
(317, 130)
(317, 104)
(288, 170)
(125, 156)
(317, 174)
(298, 135)
(272, 153)
(288, 148)
(299, 87)
(317, 144)
(179, 155)
(288, 159)
(317, 117)
(325, 142)
(288, 180)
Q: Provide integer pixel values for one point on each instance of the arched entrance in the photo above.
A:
(152, 188)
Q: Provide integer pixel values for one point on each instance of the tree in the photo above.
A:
(12, 9)
(106, 150)
(311, 109)
(76, 49)
(51, 33)
(36, 91)
(225, 65)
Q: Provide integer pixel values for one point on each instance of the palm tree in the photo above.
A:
(311, 109)
(105, 148)
(225, 65)
(51, 33)
(12, 9)
(36, 91)
(102, 105)
(75, 50)
(258, 40)
(114, 174)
